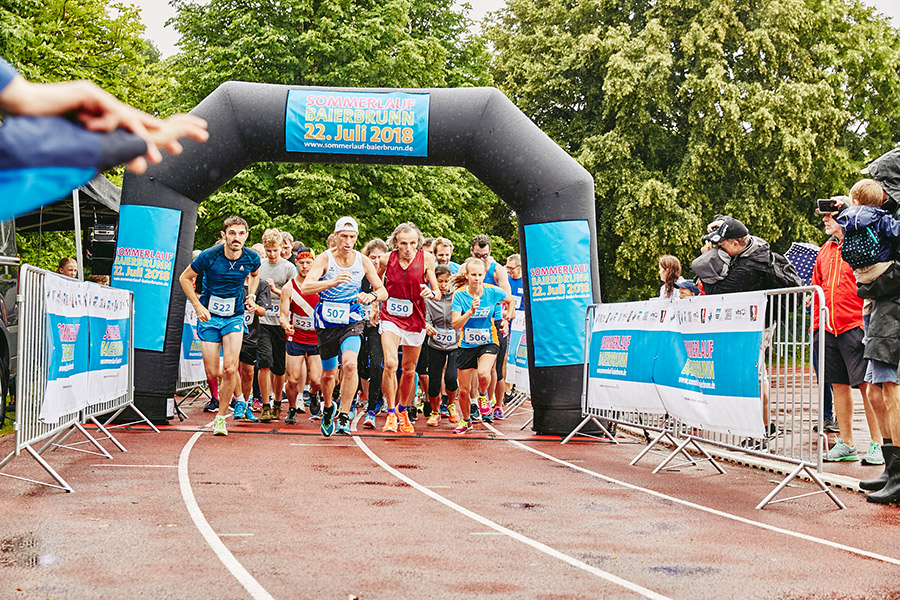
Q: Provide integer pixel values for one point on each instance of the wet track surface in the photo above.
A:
(373, 516)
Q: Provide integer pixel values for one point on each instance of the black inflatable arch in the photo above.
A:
(475, 128)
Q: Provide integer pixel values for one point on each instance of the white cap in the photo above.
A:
(346, 224)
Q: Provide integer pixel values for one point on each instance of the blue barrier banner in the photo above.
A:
(190, 364)
(517, 354)
(331, 122)
(68, 347)
(559, 278)
(145, 264)
(109, 311)
(696, 359)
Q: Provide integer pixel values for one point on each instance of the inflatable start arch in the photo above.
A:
(475, 128)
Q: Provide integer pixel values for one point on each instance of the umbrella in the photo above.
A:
(803, 256)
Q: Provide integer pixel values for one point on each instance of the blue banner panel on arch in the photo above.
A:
(559, 275)
(331, 122)
(145, 264)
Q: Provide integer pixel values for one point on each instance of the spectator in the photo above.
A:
(67, 266)
(101, 279)
(669, 274)
(845, 366)
(687, 288)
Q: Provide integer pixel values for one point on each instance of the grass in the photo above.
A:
(7, 425)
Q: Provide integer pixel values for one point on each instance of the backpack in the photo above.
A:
(781, 273)
(862, 247)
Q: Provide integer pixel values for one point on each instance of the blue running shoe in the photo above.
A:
(445, 412)
(327, 425)
(343, 424)
(240, 407)
(369, 423)
(249, 416)
(474, 413)
(353, 410)
(379, 406)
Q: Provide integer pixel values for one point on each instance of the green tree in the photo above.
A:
(61, 40)
(344, 43)
(684, 109)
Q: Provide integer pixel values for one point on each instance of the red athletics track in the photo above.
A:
(281, 512)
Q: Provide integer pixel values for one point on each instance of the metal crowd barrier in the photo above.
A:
(794, 421)
(34, 354)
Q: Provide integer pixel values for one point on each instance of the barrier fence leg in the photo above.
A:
(612, 438)
(62, 482)
(139, 414)
(662, 434)
(824, 489)
(90, 438)
(527, 423)
(107, 434)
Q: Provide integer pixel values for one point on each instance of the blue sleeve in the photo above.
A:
(202, 262)
(458, 303)
(7, 74)
(889, 227)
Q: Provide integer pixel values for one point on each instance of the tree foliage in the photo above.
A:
(686, 108)
(342, 43)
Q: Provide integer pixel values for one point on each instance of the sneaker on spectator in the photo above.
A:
(831, 426)
(463, 427)
(874, 456)
(369, 422)
(291, 418)
(211, 406)
(219, 426)
(498, 414)
(434, 420)
(451, 413)
(240, 407)
(841, 452)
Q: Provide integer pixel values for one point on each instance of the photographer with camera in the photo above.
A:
(845, 366)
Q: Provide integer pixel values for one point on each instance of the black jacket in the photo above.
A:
(748, 271)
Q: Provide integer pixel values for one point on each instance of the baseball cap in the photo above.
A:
(689, 284)
(730, 229)
(346, 224)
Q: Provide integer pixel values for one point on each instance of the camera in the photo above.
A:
(827, 205)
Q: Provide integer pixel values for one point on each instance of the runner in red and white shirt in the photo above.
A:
(409, 278)
(302, 363)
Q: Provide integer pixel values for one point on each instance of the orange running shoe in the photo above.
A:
(454, 417)
(406, 425)
(390, 424)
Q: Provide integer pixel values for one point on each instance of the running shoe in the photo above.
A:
(841, 452)
(463, 427)
(211, 406)
(426, 410)
(451, 413)
(240, 407)
(412, 413)
(249, 416)
(327, 425)
(219, 426)
(474, 414)
(306, 397)
(379, 406)
(266, 415)
(353, 409)
(276, 410)
(390, 424)
(498, 414)
(874, 456)
(488, 418)
(291, 418)
(257, 405)
(369, 423)
(300, 409)
(405, 425)
(434, 420)
(445, 412)
(343, 424)
(484, 405)
(315, 407)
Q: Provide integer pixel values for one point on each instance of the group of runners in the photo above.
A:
(354, 326)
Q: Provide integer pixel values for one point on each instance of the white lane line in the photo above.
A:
(139, 466)
(628, 585)
(712, 511)
(243, 576)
